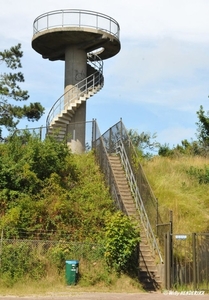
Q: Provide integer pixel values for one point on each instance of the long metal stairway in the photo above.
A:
(66, 107)
(148, 273)
(132, 194)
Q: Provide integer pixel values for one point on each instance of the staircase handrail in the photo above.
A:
(137, 198)
(102, 158)
(78, 90)
(111, 138)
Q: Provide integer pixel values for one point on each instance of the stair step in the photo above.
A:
(144, 268)
(84, 98)
(144, 247)
(67, 113)
(62, 121)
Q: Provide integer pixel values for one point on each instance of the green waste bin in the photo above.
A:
(71, 273)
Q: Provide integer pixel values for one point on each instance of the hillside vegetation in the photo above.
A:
(55, 206)
(48, 192)
(181, 185)
(179, 176)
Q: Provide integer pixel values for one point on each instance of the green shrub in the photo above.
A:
(122, 237)
(202, 175)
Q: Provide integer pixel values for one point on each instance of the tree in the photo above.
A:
(203, 127)
(10, 114)
(143, 141)
(185, 148)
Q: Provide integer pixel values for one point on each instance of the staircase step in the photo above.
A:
(61, 120)
(143, 268)
(58, 128)
(84, 98)
(67, 113)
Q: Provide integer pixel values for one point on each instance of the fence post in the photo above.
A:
(194, 256)
(1, 246)
(110, 141)
(93, 134)
(157, 216)
(168, 260)
(171, 249)
(167, 246)
(40, 132)
(165, 260)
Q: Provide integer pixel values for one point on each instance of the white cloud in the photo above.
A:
(160, 75)
(186, 19)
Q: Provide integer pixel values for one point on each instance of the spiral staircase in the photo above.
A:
(82, 39)
(66, 107)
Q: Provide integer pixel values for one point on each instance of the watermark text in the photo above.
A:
(186, 293)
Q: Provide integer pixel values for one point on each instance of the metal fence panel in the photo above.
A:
(187, 262)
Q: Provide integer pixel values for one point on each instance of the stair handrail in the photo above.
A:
(111, 138)
(120, 149)
(80, 89)
(103, 160)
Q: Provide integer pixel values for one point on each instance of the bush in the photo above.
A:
(122, 238)
(202, 175)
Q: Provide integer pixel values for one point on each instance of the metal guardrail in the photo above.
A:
(76, 18)
(80, 89)
(187, 261)
(41, 132)
(102, 158)
(138, 199)
(116, 141)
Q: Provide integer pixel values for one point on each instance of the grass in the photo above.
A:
(93, 277)
(178, 191)
(53, 285)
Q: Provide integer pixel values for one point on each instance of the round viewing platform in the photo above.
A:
(91, 31)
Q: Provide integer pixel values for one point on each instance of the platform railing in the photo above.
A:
(76, 18)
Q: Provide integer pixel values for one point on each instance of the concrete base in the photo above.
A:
(76, 147)
(161, 272)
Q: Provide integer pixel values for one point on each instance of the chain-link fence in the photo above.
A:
(37, 258)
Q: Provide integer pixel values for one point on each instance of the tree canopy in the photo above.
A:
(10, 90)
(143, 141)
(195, 147)
(203, 127)
(44, 188)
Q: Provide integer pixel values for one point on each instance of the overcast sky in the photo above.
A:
(156, 83)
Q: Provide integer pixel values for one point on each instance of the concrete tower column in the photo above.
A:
(75, 66)
(76, 71)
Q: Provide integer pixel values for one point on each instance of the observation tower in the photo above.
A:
(82, 39)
